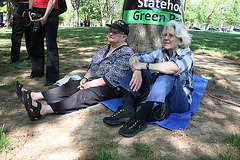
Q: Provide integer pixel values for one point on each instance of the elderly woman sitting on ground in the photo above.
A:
(108, 66)
(168, 75)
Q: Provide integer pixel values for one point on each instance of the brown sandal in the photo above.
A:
(18, 88)
(33, 112)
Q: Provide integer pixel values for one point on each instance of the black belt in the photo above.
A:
(22, 3)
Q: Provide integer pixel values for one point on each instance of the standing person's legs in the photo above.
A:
(37, 53)
(52, 70)
(17, 33)
(27, 34)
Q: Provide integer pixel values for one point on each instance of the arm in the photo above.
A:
(169, 67)
(50, 6)
(84, 83)
(165, 67)
(30, 4)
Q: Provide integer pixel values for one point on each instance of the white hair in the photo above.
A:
(180, 32)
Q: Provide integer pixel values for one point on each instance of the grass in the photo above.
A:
(211, 75)
(234, 140)
(232, 151)
(106, 150)
(143, 151)
(223, 43)
(4, 141)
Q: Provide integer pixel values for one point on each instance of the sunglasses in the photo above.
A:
(114, 31)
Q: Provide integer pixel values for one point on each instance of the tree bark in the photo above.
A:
(144, 38)
(11, 6)
(76, 18)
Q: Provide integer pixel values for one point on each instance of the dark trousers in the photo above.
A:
(17, 33)
(49, 31)
(68, 98)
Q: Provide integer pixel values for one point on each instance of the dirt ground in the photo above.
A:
(71, 136)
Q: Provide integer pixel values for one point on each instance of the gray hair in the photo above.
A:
(180, 32)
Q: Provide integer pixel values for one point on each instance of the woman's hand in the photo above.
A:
(30, 15)
(136, 66)
(43, 20)
(136, 80)
(132, 60)
(82, 84)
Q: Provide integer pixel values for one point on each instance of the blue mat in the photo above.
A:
(176, 121)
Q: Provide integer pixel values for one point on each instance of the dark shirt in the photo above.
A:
(113, 67)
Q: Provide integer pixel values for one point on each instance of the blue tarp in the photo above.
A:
(176, 121)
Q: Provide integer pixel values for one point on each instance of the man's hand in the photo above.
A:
(136, 80)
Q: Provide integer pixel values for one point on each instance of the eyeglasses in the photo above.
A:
(114, 31)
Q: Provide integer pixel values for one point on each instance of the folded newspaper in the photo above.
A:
(67, 79)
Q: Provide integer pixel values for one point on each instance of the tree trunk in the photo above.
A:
(144, 38)
(76, 18)
(103, 14)
(11, 6)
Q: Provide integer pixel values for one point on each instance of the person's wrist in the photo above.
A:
(147, 66)
(86, 78)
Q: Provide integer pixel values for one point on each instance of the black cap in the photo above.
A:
(120, 25)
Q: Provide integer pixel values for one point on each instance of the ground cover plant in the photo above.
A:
(213, 133)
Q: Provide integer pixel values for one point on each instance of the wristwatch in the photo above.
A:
(86, 78)
(147, 65)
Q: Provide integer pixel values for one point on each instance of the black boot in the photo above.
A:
(133, 127)
(124, 112)
(119, 117)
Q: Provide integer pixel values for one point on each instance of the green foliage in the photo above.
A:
(213, 12)
(232, 17)
(191, 12)
(3, 9)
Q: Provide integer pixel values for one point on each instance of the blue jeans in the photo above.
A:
(162, 87)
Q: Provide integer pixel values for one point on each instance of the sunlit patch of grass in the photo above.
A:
(225, 44)
(5, 37)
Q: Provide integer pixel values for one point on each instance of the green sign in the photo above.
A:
(157, 12)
